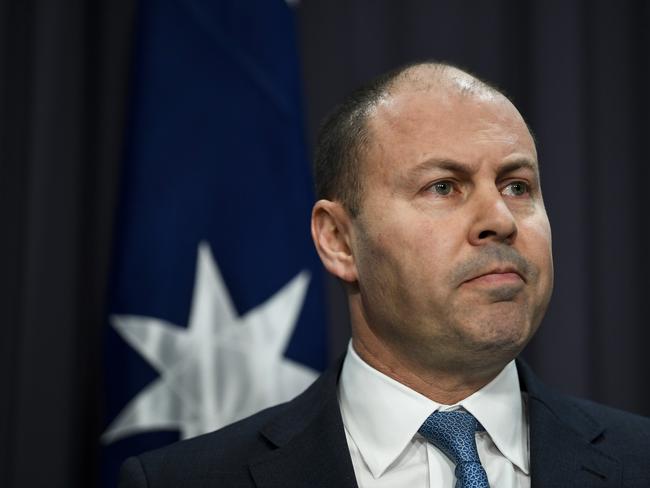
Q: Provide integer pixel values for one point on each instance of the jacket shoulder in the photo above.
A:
(625, 436)
(628, 432)
(222, 457)
(604, 425)
(219, 456)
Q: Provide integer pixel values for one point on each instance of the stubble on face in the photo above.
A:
(503, 317)
(454, 327)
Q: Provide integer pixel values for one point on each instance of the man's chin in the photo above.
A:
(502, 334)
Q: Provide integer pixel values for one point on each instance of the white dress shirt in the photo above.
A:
(382, 418)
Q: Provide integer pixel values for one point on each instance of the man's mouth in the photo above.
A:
(506, 275)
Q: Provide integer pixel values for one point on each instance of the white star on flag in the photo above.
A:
(219, 369)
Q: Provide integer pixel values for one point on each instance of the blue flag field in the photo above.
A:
(216, 304)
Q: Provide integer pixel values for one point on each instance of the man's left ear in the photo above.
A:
(330, 229)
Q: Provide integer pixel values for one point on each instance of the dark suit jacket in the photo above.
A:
(573, 443)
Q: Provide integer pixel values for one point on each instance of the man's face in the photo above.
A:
(452, 245)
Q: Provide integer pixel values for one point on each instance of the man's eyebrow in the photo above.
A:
(441, 163)
(467, 168)
(518, 164)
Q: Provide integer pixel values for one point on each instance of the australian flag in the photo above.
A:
(216, 306)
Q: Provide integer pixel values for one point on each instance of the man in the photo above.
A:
(431, 214)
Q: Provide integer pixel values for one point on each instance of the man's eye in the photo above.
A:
(516, 188)
(442, 187)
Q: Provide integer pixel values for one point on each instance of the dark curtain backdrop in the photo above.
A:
(579, 72)
(63, 82)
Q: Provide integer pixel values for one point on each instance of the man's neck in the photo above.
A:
(440, 385)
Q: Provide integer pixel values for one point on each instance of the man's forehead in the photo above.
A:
(405, 101)
(445, 123)
(450, 114)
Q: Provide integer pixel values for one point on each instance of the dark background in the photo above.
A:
(577, 70)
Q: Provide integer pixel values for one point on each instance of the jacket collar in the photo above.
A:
(563, 439)
(310, 439)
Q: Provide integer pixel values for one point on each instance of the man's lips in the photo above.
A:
(502, 276)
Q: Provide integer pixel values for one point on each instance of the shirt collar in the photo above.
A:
(498, 406)
(382, 415)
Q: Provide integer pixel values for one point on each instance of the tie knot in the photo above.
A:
(453, 433)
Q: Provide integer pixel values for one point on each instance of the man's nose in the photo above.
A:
(493, 219)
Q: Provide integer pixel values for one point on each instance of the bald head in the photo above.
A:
(346, 134)
(441, 78)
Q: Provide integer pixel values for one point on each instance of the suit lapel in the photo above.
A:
(310, 439)
(563, 439)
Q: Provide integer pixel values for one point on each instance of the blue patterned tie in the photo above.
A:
(453, 433)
